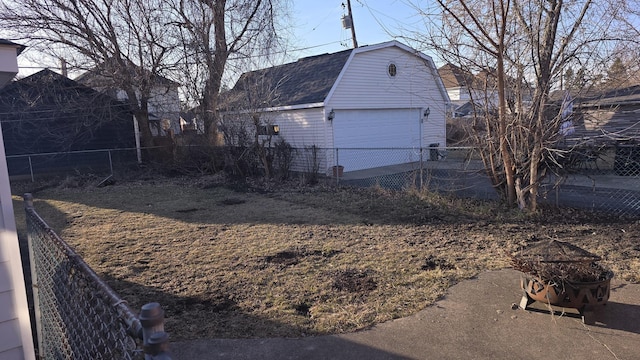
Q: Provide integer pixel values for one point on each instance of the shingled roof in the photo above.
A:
(454, 76)
(305, 81)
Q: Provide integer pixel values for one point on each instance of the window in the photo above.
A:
(268, 130)
(392, 70)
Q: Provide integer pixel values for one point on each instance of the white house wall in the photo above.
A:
(366, 84)
(164, 103)
(9, 65)
(16, 340)
(300, 128)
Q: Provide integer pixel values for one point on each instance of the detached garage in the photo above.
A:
(367, 107)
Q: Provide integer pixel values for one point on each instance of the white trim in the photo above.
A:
(276, 108)
(11, 249)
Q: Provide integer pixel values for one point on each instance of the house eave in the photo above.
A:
(608, 105)
(276, 108)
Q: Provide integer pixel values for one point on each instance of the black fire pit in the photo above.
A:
(561, 274)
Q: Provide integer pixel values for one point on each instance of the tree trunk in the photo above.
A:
(216, 67)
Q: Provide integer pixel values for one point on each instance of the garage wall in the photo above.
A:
(365, 86)
(365, 83)
(303, 128)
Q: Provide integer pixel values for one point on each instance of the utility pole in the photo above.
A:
(353, 26)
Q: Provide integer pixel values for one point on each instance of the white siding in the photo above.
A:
(302, 128)
(365, 83)
(165, 104)
(15, 328)
(8, 63)
(458, 93)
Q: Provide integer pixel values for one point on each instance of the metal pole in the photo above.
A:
(155, 339)
(28, 208)
(421, 168)
(337, 169)
(136, 130)
(31, 170)
(110, 163)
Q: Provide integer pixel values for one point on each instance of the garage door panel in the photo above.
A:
(358, 130)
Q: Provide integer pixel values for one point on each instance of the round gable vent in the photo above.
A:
(392, 70)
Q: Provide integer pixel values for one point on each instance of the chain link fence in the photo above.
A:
(604, 180)
(78, 316)
(102, 161)
(609, 183)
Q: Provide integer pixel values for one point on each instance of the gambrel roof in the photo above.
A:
(308, 81)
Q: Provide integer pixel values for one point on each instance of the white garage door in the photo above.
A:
(373, 138)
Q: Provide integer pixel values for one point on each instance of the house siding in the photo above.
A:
(16, 341)
(414, 86)
(301, 128)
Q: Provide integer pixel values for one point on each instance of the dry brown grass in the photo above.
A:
(301, 261)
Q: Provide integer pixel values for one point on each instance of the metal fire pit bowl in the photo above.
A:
(555, 275)
(585, 297)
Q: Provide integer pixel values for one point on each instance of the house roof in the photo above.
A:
(616, 97)
(109, 70)
(306, 81)
(454, 76)
(42, 82)
(48, 112)
(19, 48)
(309, 80)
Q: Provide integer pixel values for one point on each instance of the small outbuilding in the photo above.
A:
(367, 107)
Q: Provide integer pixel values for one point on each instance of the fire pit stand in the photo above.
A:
(563, 275)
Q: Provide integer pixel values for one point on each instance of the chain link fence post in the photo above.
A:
(78, 316)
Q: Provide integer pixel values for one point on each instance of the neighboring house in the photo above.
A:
(465, 90)
(50, 113)
(164, 101)
(610, 117)
(458, 84)
(363, 102)
(479, 91)
(15, 326)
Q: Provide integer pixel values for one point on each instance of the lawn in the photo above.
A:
(243, 261)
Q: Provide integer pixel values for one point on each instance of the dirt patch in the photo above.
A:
(355, 281)
(284, 258)
(432, 263)
(232, 201)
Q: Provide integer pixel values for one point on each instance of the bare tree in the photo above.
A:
(215, 32)
(249, 125)
(128, 38)
(523, 45)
